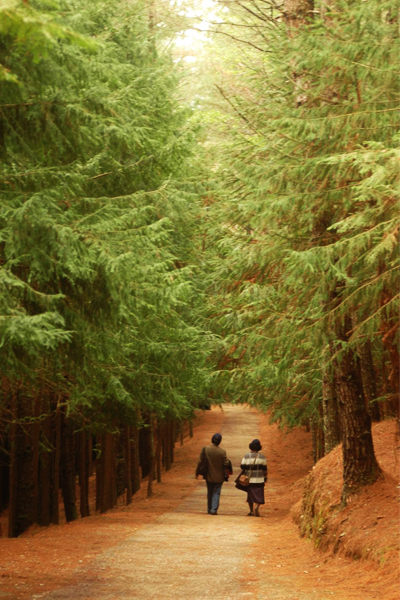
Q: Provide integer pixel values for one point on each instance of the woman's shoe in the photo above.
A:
(257, 512)
(250, 514)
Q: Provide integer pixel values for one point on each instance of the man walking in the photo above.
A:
(211, 466)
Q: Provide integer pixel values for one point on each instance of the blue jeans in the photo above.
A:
(213, 495)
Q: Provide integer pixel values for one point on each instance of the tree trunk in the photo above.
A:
(108, 495)
(22, 501)
(120, 463)
(389, 342)
(55, 509)
(128, 464)
(4, 475)
(172, 441)
(296, 14)
(88, 461)
(12, 515)
(164, 447)
(83, 492)
(67, 471)
(317, 437)
(45, 470)
(368, 375)
(385, 408)
(298, 11)
(145, 449)
(360, 467)
(160, 435)
(135, 461)
(2, 485)
(99, 484)
(389, 330)
(167, 445)
(330, 409)
(151, 458)
(35, 457)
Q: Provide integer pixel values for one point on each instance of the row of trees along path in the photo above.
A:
(306, 330)
(101, 361)
(142, 272)
(168, 547)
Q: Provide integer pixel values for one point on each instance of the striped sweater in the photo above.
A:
(254, 464)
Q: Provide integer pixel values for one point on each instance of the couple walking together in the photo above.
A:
(215, 467)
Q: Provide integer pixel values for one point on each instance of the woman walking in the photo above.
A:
(254, 465)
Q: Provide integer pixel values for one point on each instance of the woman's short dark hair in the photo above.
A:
(255, 446)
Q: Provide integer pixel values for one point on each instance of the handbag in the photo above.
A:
(227, 471)
(202, 467)
(244, 480)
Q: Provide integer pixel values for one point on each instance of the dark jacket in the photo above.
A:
(216, 460)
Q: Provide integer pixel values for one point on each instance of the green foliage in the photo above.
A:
(99, 219)
(309, 213)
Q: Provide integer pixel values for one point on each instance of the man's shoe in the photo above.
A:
(213, 513)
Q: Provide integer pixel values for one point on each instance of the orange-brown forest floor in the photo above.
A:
(360, 543)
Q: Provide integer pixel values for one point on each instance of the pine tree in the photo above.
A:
(308, 243)
(102, 317)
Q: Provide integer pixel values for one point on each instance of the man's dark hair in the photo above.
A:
(216, 439)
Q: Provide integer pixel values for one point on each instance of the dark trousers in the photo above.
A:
(213, 495)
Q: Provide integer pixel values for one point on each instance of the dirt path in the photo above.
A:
(184, 553)
(168, 547)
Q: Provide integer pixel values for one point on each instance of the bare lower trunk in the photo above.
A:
(144, 448)
(83, 501)
(128, 464)
(389, 341)
(67, 472)
(13, 468)
(160, 433)
(45, 470)
(151, 458)
(22, 484)
(108, 493)
(55, 512)
(317, 437)
(172, 440)
(360, 466)
(88, 463)
(98, 483)
(368, 375)
(331, 416)
(35, 432)
(120, 463)
(135, 461)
